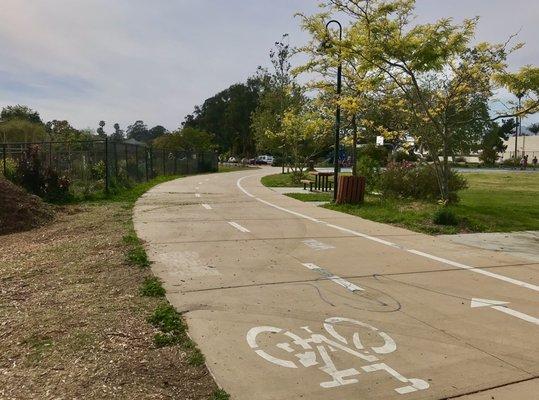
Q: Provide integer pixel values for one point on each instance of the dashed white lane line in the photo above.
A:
(239, 227)
(197, 194)
(206, 206)
(391, 244)
(337, 279)
(316, 245)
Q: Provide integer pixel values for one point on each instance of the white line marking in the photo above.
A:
(197, 194)
(476, 270)
(200, 183)
(500, 306)
(206, 206)
(337, 279)
(391, 244)
(239, 227)
(317, 245)
(197, 188)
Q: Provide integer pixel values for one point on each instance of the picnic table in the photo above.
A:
(321, 180)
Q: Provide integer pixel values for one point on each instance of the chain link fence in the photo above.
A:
(95, 165)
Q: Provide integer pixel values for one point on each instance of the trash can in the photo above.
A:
(351, 190)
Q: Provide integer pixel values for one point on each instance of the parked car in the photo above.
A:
(265, 160)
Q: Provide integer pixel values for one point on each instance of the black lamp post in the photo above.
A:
(337, 115)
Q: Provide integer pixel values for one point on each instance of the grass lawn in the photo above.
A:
(84, 316)
(494, 202)
(310, 196)
(279, 180)
(232, 168)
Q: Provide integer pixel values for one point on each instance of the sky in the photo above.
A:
(154, 60)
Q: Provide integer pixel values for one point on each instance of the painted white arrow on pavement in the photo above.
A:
(500, 306)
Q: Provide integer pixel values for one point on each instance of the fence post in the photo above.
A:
(4, 157)
(146, 162)
(126, 158)
(164, 162)
(107, 165)
(136, 162)
(115, 159)
(151, 162)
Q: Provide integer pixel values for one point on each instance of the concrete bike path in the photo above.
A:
(291, 301)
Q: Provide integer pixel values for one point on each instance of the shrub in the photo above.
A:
(30, 171)
(417, 181)
(445, 216)
(56, 186)
(370, 169)
(10, 169)
(36, 179)
(98, 170)
(401, 156)
(374, 152)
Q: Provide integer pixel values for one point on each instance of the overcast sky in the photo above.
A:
(123, 60)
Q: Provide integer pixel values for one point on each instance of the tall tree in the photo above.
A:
(534, 128)
(227, 116)
(20, 112)
(156, 131)
(138, 131)
(444, 81)
(493, 140)
(186, 139)
(101, 130)
(279, 94)
(118, 135)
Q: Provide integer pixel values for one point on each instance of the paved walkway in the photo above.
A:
(290, 301)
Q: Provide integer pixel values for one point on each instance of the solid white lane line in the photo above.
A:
(391, 244)
(206, 206)
(197, 194)
(334, 278)
(239, 227)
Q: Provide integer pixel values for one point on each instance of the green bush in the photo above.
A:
(370, 169)
(39, 180)
(445, 216)
(401, 156)
(417, 181)
(374, 152)
(10, 169)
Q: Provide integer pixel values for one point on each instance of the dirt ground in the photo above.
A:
(72, 322)
(20, 211)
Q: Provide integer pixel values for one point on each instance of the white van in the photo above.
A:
(265, 159)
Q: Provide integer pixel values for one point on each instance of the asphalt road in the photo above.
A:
(292, 301)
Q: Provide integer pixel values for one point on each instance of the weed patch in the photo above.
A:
(152, 287)
(220, 394)
(173, 331)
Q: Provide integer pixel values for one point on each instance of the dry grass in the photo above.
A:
(72, 321)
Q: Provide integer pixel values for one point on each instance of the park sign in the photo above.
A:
(379, 140)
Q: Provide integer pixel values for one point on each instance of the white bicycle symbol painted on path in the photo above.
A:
(321, 344)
